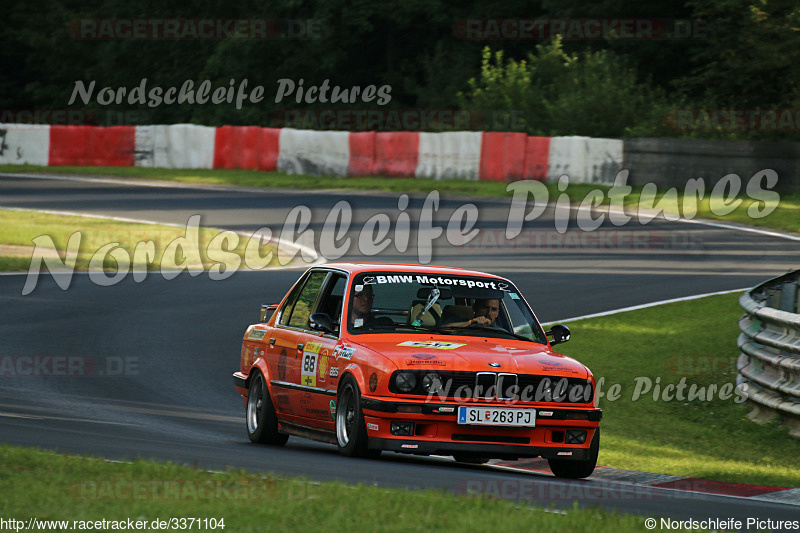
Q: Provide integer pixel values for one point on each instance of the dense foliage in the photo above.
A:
(737, 54)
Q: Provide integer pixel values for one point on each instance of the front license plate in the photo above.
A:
(494, 416)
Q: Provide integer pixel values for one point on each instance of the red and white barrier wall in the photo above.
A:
(176, 146)
(319, 153)
(485, 156)
(24, 144)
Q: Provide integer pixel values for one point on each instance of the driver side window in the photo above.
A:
(333, 297)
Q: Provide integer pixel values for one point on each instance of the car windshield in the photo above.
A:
(387, 302)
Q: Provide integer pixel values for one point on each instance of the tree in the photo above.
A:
(752, 56)
(592, 94)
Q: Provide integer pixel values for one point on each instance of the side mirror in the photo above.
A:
(559, 332)
(322, 322)
(267, 311)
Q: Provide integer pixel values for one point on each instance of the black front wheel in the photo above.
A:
(577, 469)
(351, 431)
(262, 422)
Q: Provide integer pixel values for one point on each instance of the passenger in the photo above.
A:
(361, 308)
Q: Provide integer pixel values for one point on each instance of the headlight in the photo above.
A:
(405, 381)
(579, 392)
(431, 382)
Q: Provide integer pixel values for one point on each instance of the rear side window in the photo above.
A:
(297, 302)
(297, 316)
(286, 310)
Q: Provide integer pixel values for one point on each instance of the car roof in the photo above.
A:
(357, 268)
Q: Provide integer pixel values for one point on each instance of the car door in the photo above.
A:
(286, 345)
(322, 402)
(301, 355)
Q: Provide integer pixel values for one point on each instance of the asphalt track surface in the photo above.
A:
(155, 357)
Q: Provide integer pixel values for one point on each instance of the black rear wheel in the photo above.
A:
(262, 422)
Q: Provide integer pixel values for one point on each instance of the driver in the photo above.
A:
(486, 311)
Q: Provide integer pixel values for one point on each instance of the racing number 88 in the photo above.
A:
(308, 363)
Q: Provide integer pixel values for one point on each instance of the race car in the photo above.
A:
(419, 360)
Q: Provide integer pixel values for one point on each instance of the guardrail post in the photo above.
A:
(769, 361)
(789, 296)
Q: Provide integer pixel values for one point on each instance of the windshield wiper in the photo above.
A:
(493, 329)
(428, 328)
(422, 328)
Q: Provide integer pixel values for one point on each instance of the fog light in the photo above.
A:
(404, 429)
(575, 437)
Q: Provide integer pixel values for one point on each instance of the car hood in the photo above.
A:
(476, 355)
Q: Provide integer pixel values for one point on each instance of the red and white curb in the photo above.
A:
(667, 481)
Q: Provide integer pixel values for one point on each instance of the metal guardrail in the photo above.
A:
(769, 361)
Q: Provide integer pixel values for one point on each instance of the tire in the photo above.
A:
(261, 420)
(577, 469)
(351, 431)
(470, 459)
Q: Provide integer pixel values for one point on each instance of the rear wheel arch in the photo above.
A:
(261, 367)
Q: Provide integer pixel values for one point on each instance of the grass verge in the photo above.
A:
(711, 439)
(53, 233)
(786, 215)
(50, 486)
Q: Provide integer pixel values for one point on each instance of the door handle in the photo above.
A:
(300, 346)
(272, 341)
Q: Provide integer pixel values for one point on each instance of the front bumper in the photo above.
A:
(494, 451)
(437, 432)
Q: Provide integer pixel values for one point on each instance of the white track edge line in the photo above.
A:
(645, 306)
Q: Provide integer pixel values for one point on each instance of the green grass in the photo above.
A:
(706, 439)
(785, 217)
(61, 487)
(13, 263)
(20, 228)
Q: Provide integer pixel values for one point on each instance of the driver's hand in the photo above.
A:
(482, 320)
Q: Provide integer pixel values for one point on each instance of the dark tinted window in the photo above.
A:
(333, 298)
